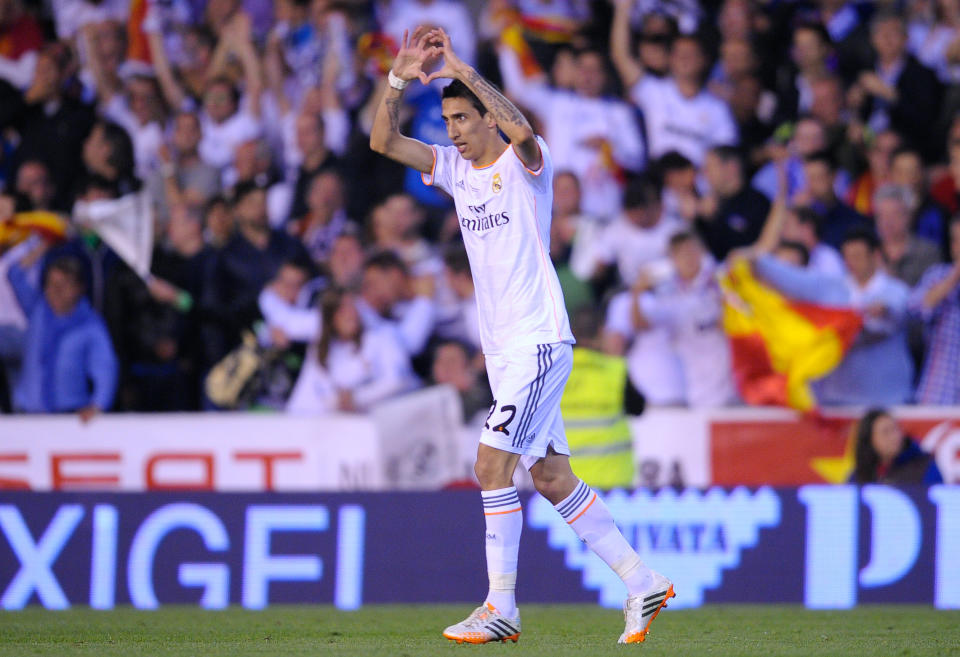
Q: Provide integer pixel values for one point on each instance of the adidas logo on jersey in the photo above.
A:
(461, 185)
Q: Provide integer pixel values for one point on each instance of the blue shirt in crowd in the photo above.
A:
(877, 370)
(68, 362)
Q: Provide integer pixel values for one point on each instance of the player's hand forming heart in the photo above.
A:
(416, 52)
(453, 66)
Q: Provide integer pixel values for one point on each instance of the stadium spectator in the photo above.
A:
(689, 305)
(286, 307)
(155, 324)
(315, 157)
(809, 54)
(936, 300)
(34, 184)
(390, 296)
(218, 224)
(907, 256)
(732, 214)
(820, 173)
(594, 136)
(898, 92)
(653, 366)
(877, 369)
(886, 455)
(51, 125)
(679, 114)
(352, 366)
(637, 238)
(345, 264)
(571, 234)
(928, 219)
(395, 225)
(453, 364)
(68, 361)
(879, 148)
(182, 177)
(325, 218)
(802, 226)
(457, 316)
(249, 259)
(806, 137)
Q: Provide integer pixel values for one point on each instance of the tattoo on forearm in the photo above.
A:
(393, 111)
(502, 109)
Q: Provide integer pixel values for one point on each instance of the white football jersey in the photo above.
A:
(505, 212)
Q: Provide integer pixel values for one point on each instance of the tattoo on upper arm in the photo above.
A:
(501, 108)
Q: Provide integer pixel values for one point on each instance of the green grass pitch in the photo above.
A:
(414, 631)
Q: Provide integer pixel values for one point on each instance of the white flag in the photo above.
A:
(125, 224)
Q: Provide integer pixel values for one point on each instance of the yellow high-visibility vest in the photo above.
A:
(601, 448)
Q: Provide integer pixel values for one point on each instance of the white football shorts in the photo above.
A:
(527, 384)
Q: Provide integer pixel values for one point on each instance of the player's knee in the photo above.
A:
(492, 474)
(555, 486)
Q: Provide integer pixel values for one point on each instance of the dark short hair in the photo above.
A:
(456, 260)
(797, 248)
(824, 156)
(458, 89)
(243, 189)
(727, 153)
(70, 265)
(674, 161)
(682, 237)
(817, 28)
(809, 216)
(864, 235)
(641, 192)
(385, 260)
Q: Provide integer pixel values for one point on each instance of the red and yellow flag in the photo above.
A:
(780, 346)
(20, 226)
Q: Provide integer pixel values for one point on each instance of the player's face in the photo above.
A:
(469, 132)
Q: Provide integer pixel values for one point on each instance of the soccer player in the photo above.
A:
(503, 197)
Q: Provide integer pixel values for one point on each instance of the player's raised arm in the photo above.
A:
(509, 119)
(385, 137)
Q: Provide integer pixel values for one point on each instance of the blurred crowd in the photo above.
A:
(295, 269)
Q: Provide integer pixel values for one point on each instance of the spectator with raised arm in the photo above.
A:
(590, 134)
(68, 363)
(679, 113)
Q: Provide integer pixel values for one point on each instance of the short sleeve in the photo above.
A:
(541, 178)
(441, 174)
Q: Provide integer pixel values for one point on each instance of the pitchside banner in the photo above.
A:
(824, 546)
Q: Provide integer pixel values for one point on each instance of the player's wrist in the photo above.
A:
(396, 81)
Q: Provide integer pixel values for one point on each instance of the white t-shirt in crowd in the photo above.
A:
(220, 140)
(379, 368)
(571, 123)
(632, 248)
(652, 364)
(504, 211)
(147, 138)
(674, 122)
(692, 313)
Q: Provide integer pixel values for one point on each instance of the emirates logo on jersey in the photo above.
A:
(497, 184)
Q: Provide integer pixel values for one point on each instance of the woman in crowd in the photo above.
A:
(350, 368)
(886, 455)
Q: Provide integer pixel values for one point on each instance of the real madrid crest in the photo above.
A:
(497, 184)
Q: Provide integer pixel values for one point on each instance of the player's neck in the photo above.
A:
(491, 153)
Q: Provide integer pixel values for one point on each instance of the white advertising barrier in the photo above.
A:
(419, 438)
(202, 451)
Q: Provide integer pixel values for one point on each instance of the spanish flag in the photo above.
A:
(780, 346)
(21, 225)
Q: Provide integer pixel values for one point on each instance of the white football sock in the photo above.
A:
(501, 509)
(590, 518)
